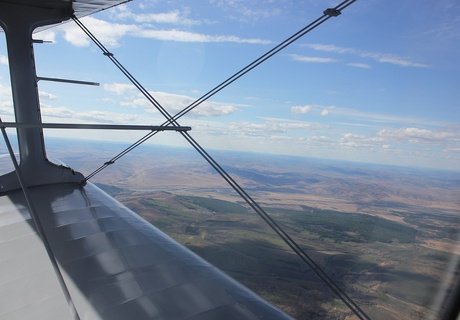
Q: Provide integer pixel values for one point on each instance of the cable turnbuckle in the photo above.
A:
(332, 12)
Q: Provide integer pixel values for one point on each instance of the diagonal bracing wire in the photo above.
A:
(326, 15)
(249, 200)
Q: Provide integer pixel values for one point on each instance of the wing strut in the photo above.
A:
(39, 226)
(92, 126)
(328, 13)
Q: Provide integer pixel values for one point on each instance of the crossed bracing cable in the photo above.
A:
(172, 121)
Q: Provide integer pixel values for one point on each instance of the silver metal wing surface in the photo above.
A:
(115, 264)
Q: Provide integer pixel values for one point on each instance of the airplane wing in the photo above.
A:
(89, 257)
(115, 264)
(68, 250)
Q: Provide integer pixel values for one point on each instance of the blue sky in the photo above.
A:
(380, 83)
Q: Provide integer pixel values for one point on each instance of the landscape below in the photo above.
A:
(387, 235)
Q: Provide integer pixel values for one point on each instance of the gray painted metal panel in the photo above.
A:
(81, 7)
(115, 264)
(29, 288)
(87, 7)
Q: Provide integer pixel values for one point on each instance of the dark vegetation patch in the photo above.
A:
(268, 177)
(214, 205)
(411, 287)
(344, 226)
(439, 256)
(442, 225)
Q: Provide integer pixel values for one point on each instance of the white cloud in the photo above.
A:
(287, 124)
(108, 33)
(351, 140)
(46, 95)
(393, 59)
(249, 11)
(321, 139)
(57, 112)
(376, 56)
(111, 33)
(362, 118)
(293, 125)
(280, 138)
(186, 36)
(309, 59)
(71, 116)
(3, 60)
(118, 88)
(172, 17)
(453, 150)
(398, 139)
(308, 108)
(250, 129)
(416, 135)
(6, 109)
(6, 103)
(46, 35)
(359, 65)
(301, 109)
(5, 91)
(174, 103)
(330, 48)
(271, 127)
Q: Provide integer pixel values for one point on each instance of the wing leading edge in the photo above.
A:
(115, 264)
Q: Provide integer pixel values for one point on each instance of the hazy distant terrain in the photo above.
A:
(385, 234)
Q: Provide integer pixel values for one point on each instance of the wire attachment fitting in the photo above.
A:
(332, 12)
(108, 54)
